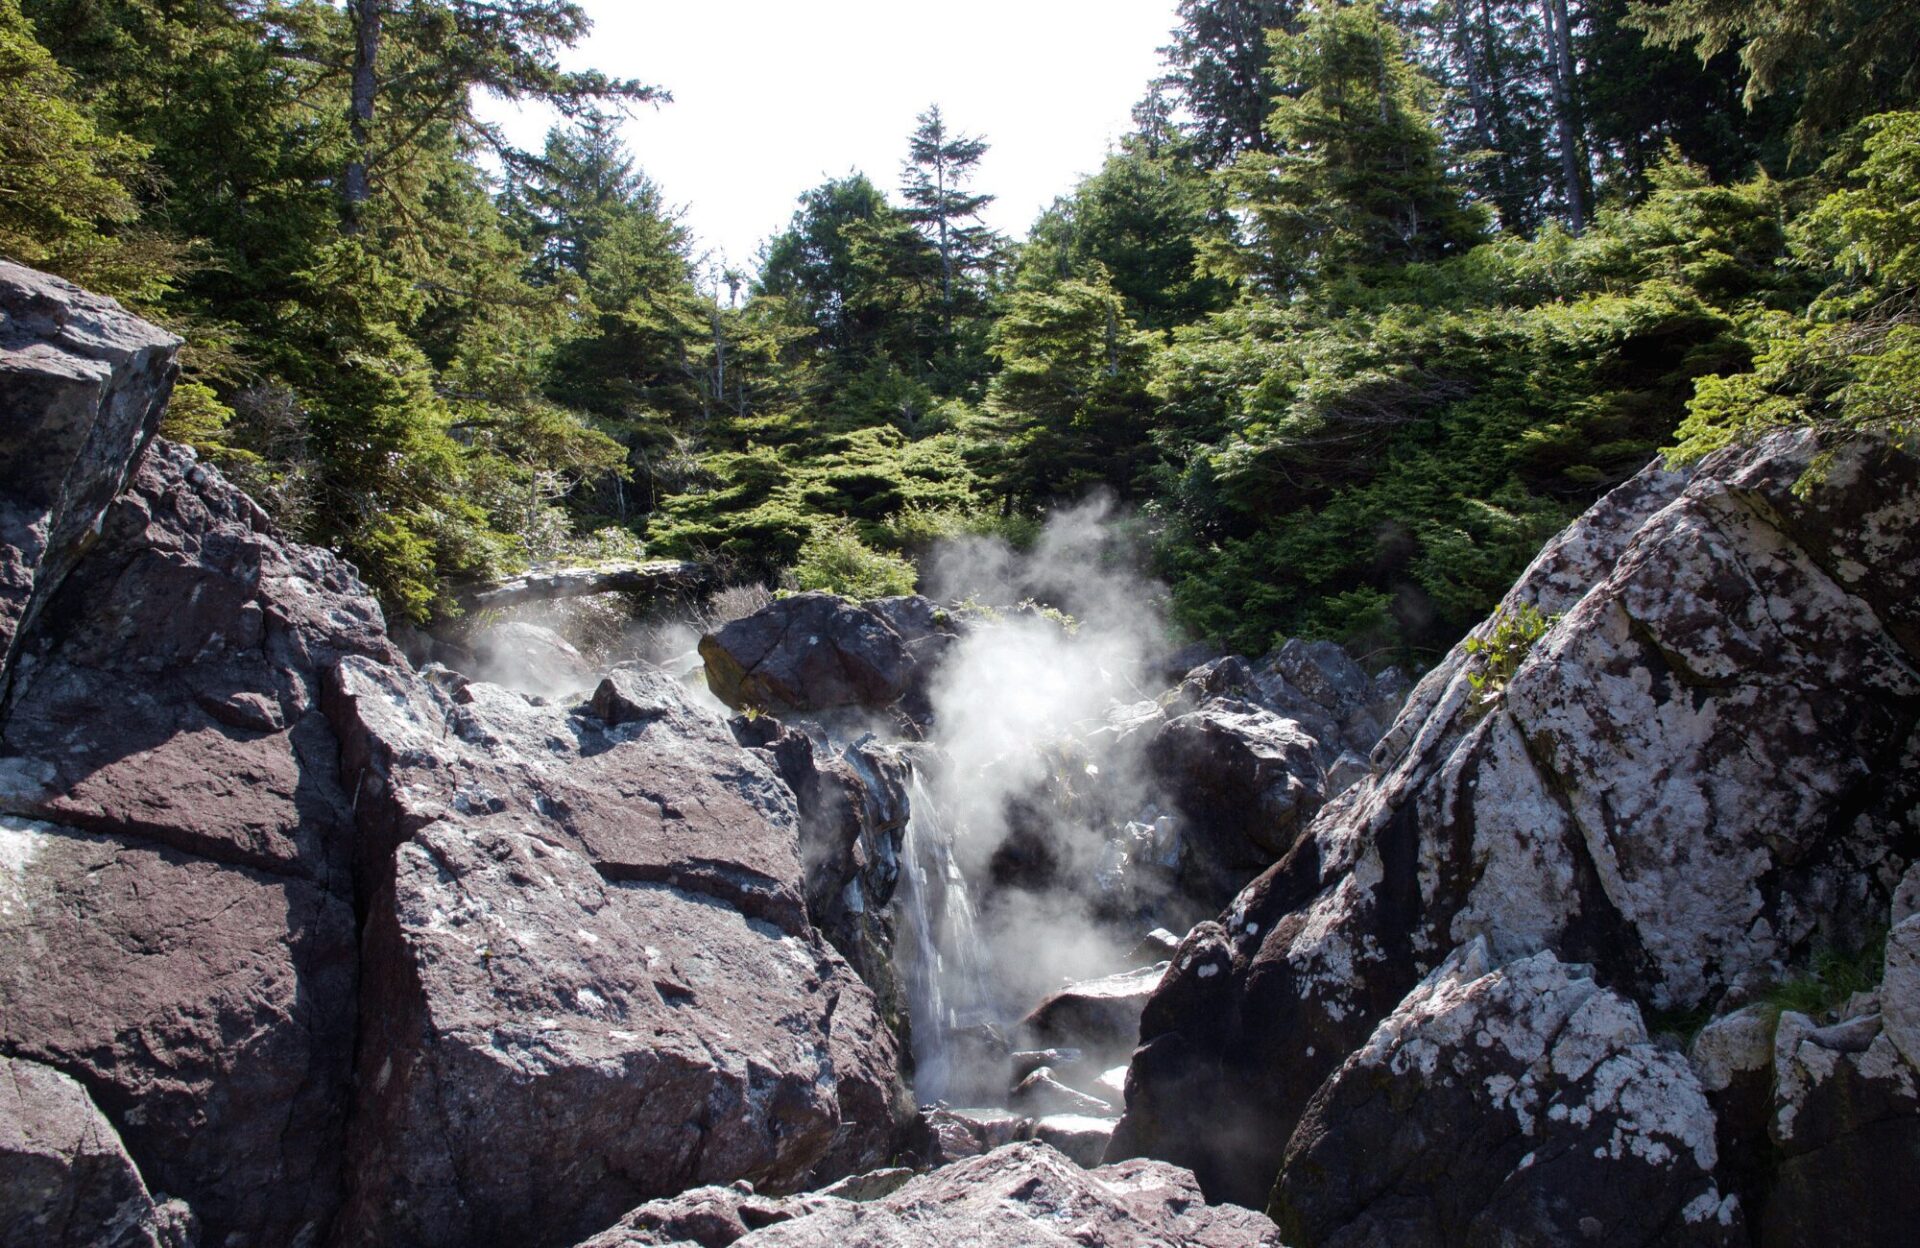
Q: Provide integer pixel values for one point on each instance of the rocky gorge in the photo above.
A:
(304, 944)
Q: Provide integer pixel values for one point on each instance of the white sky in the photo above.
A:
(771, 98)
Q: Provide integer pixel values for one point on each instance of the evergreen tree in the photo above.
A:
(1218, 60)
(939, 166)
(1359, 181)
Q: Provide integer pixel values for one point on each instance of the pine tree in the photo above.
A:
(938, 168)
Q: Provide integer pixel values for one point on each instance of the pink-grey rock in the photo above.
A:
(65, 1179)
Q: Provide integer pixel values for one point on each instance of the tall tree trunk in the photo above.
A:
(946, 248)
(1571, 179)
(355, 187)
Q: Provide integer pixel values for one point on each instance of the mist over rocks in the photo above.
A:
(1702, 776)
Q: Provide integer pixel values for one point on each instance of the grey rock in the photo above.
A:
(1014, 1197)
(1081, 1137)
(1042, 1092)
(1705, 766)
(82, 385)
(531, 659)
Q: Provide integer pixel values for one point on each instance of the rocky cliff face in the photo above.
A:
(299, 945)
(1429, 1022)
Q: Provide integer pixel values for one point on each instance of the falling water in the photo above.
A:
(941, 952)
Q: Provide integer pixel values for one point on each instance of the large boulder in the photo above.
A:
(1100, 1017)
(590, 979)
(82, 385)
(1703, 770)
(1018, 1196)
(65, 1179)
(179, 932)
(810, 652)
(1523, 1104)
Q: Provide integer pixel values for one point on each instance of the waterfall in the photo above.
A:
(941, 953)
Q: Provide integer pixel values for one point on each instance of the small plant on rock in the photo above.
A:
(1500, 653)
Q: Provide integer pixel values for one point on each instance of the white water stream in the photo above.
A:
(941, 954)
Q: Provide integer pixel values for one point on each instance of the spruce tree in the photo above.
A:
(939, 166)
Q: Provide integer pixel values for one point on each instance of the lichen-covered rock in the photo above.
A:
(810, 652)
(589, 976)
(1703, 768)
(65, 1179)
(1522, 1104)
(82, 385)
(1018, 1196)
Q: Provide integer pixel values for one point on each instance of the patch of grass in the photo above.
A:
(1832, 976)
(1501, 652)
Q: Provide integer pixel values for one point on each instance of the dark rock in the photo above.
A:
(915, 618)
(1026, 1061)
(185, 847)
(1703, 768)
(1155, 947)
(1246, 782)
(65, 1179)
(1014, 1197)
(810, 652)
(1100, 1017)
(943, 1135)
(1846, 1127)
(1518, 1105)
(82, 385)
(209, 1008)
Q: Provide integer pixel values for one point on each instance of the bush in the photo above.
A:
(835, 559)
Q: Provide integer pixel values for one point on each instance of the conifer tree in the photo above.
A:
(939, 166)
(1218, 59)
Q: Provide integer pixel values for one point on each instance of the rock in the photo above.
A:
(1900, 989)
(1098, 1017)
(530, 659)
(1733, 1058)
(853, 812)
(943, 1135)
(1518, 1105)
(915, 618)
(810, 652)
(1081, 1137)
(65, 1179)
(590, 978)
(82, 385)
(1705, 767)
(1041, 1092)
(1846, 1124)
(1026, 1061)
(872, 1185)
(1246, 782)
(167, 761)
(1155, 947)
(1014, 1197)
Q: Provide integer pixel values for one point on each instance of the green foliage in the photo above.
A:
(1498, 653)
(1832, 976)
(835, 559)
(67, 188)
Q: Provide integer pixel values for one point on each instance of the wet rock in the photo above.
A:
(1081, 1137)
(1515, 1105)
(590, 976)
(65, 1179)
(943, 1135)
(1246, 782)
(1155, 947)
(1098, 1017)
(82, 385)
(1042, 1092)
(1014, 1197)
(1026, 1061)
(810, 652)
(1704, 768)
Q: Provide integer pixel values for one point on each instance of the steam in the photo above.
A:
(1033, 782)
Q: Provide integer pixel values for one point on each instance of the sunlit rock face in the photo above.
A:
(299, 947)
(1705, 770)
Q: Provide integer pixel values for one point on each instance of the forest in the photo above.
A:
(1375, 298)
